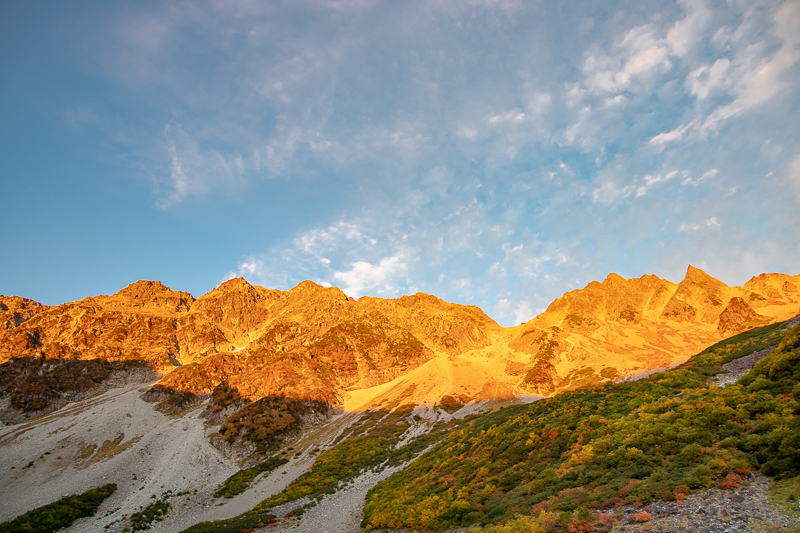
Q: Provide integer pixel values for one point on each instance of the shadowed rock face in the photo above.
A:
(315, 343)
(737, 317)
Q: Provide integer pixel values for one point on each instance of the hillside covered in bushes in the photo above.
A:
(582, 453)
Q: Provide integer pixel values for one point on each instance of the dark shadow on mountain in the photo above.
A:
(34, 386)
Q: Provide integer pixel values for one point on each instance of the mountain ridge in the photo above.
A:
(314, 342)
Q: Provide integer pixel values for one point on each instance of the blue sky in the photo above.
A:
(495, 153)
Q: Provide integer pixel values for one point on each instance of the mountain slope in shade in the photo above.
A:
(313, 342)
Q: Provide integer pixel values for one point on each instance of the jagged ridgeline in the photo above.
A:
(315, 344)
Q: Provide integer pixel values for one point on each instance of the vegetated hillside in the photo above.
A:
(582, 453)
(60, 514)
(275, 361)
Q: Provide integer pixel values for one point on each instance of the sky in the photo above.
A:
(492, 153)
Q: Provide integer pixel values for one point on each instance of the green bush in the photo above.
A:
(238, 482)
(247, 521)
(60, 514)
(155, 512)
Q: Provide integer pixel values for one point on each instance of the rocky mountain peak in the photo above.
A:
(151, 296)
(738, 316)
(15, 310)
(235, 284)
(309, 290)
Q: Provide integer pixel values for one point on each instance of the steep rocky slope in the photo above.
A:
(621, 328)
(15, 310)
(315, 343)
(137, 323)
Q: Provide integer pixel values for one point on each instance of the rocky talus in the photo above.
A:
(746, 509)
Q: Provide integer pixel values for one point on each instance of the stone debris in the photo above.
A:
(739, 367)
(746, 509)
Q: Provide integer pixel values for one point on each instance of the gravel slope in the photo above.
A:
(119, 438)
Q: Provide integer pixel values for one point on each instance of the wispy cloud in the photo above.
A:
(194, 171)
(711, 223)
(753, 75)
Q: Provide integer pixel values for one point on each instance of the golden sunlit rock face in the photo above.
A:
(313, 342)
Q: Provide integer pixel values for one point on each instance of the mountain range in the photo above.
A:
(316, 343)
(247, 407)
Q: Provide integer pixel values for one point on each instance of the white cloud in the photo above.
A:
(379, 278)
(609, 192)
(651, 180)
(671, 136)
(705, 79)
(641, 54)
(615, 101)
(250, 267)
(514, 116)
(467, 133)
(753, 76)
(694, 182)
(195, 170)
(686, 32)
(521, 311)
(406, 138)
(793, 174)
(522, 262)
(320, 240)
(712, 223)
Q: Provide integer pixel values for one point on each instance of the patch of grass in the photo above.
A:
(172, 402)
(371, 443)
(269, 420)
(244, 522)
(747, 342)
(785, 494)
(451, 404)
(238, 482)
(60, 514)
(155, 512)
(33, 384)
(367, 448)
